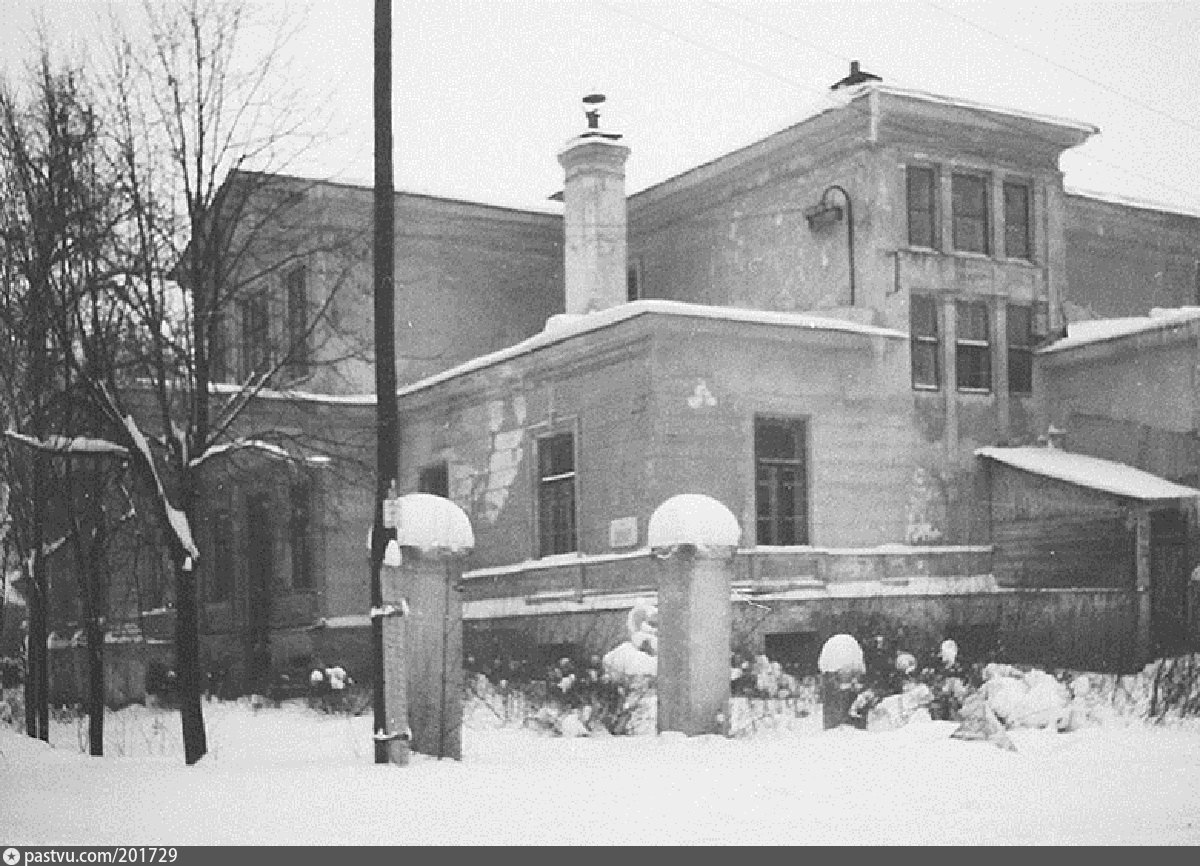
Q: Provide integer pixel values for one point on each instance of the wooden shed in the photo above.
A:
(1066, 524)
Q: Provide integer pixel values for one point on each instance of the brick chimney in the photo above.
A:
(594, 215)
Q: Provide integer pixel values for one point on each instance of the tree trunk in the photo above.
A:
(37, 660)
(187, 663)
(95, 598)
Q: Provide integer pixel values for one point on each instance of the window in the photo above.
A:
(920, 207)
(970, 206)
(435, 479)
(781, 480)
(1016, 221)
(220, 584)
(973, 350)
(256, 347)
(217, 372)
(297, 321)
(300, 531)
(1020, 349)
(923, 328)
(556, 494)
(633, 281)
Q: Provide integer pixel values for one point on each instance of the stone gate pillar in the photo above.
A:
(433, 534)
(694, 538)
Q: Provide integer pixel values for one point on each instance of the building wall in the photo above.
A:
(665, 404)
(1124, 260)
(469, 279)
(1132, 400)
(1047, 533)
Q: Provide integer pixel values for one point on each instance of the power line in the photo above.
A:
(1056, 64)
(792, 82)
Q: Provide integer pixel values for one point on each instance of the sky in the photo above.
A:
(485, 91)
(295, 776)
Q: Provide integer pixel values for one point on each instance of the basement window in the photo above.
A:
(556, 494)
(973, 348)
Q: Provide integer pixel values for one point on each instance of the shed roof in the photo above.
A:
(1093, 331)
(1091, 472)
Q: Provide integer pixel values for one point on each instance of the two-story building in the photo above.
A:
(836, 331)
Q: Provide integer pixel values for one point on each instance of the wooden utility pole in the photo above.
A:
(385, 361)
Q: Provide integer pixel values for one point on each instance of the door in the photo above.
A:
(1168, 582)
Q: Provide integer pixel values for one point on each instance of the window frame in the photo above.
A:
(768, 519)
(1026, 236)
(1019, 349)
(983, 219)
(925, 340)
(434, 475)
(976, 346)
(296, 284)
(562, 484)
(256, 335)
(928, 216)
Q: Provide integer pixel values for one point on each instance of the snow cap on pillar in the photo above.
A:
(433, 523)
(693, 518)
(594, 216)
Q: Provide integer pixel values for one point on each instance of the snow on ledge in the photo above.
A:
(692, 518)
(431, 522)
(1091, 472)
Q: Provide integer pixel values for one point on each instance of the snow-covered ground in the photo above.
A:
(292, 775)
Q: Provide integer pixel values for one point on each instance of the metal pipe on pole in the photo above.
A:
(386, 420)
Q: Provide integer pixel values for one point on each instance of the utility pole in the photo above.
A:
(386, 422)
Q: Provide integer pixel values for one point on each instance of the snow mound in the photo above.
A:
(841, 653)
(626, 660)
(431, 522)
(692, 518)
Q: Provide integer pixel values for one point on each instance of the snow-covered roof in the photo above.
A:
(564, 326)
(1091, 472)
(1086, 333)
(1131, 201)
(938, 99)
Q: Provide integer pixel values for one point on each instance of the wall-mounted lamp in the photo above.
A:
(825, 213)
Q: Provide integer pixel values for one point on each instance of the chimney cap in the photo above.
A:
(856, 76)
(591, 110)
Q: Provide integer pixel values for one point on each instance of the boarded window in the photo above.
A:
(781, 480)
(1016, 221)
(297, 321)
(973, 348)
(969, 195)
(926, 347)
(556, 494)
(1020, 349)
(434, 479)
(921, 209)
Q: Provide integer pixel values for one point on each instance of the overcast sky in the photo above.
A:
(487, 90)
